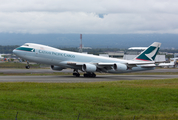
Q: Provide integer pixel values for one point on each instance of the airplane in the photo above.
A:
(89, 64)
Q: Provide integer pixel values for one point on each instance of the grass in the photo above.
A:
(120, 100)
(17, 65)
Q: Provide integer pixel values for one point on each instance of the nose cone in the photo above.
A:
(14, 51)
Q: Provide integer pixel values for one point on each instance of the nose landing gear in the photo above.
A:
(27, 66)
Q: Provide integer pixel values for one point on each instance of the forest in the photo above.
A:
(7, 49)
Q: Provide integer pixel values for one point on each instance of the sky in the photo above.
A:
(89, 16)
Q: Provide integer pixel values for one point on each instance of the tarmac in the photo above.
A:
(6, 70)
(73, 79)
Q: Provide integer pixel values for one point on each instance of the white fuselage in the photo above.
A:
(52, 56)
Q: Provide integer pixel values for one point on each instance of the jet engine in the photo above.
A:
(58, 68)
(120, 67)
(89, 68)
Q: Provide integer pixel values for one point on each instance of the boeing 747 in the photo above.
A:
(89, 64)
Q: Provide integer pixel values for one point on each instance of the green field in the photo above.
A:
(17, 65)
(120, 100)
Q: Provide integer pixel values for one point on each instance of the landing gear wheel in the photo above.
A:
(27, 66)
(85, 75)
(94, 75)
(76, 73)
(89, 75)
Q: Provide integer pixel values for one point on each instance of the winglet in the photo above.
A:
(150, 53)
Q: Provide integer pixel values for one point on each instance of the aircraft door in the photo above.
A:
(36, 52)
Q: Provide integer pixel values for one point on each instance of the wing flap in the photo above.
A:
(140, 63)
(75, 63)
(148, 66)
(105, 64)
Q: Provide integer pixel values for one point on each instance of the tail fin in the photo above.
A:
(150, 53)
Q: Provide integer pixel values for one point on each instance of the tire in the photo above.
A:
(77, 75)
(74, 74)
(27, 67)
(85, 75)
(94, 75)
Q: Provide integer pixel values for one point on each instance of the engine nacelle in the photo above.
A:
(120, 67)
(89, 68)
(58, 68)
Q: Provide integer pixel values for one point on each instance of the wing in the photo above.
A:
(104, 67)
(100, 67)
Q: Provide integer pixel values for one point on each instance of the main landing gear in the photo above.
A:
(88, 74)
(76, 73)
(27, 66)
(93, 75)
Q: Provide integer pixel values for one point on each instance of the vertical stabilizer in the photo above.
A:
(150, 53)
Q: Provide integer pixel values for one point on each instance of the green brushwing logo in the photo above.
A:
(149, 54)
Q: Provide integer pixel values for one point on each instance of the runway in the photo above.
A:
(70, 70)
(73, 79)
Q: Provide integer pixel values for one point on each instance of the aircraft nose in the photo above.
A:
(14, 51)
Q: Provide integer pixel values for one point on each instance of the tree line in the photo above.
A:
(9, 48)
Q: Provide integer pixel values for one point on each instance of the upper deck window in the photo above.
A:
(26, 49)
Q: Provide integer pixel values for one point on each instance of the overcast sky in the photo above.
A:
(89, 16)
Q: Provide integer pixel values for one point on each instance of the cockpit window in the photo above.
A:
(25, 45)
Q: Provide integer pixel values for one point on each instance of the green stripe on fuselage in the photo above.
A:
(26, 49)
